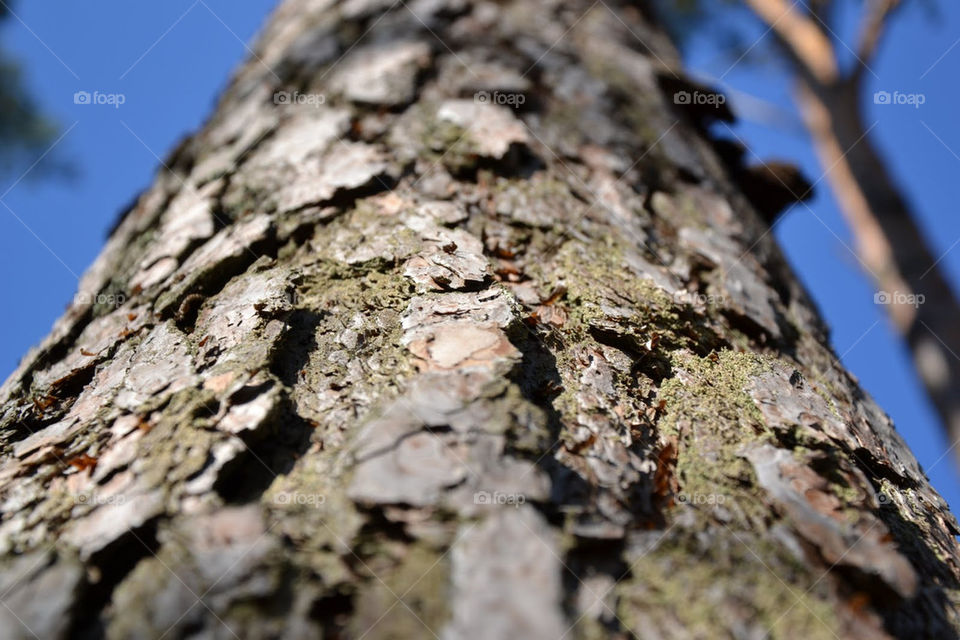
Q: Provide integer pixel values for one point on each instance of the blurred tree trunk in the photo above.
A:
(446, 324)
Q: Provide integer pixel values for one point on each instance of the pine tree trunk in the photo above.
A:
(449, 325)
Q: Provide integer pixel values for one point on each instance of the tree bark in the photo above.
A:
(463, 334)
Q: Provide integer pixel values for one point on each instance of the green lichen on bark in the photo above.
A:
(711, 415)
(668, 591)
(410, 601)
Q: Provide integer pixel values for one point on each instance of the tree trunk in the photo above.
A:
(447, 325)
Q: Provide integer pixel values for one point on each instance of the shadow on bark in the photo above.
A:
(106, 569)
(903, 619)
(271, 451)
(297, 345)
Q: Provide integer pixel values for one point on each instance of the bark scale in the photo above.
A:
(483, 346)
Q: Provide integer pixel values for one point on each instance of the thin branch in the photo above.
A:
(872, 28)
(803, 38)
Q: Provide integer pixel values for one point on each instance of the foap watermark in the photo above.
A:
(699, 299)
(898, 297)
(899, 98)
(98, 299)
(701, 498)
(709, 98)
(499, 497)
(502, 98)
(282, 98)
(99, 98)
(98, 500)
(295, 497)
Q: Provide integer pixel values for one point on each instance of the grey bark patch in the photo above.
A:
(308, 162)
(461, 333)
(240, 326)
(162, 363)
(188, 221)
(382, 74)
(740, 286)
(109, 522)
(450, 259)
(351, 166)
(805, 497)
(38, 593)
(447, 213)
(209, 562)
(785, 406)
(211, 266)
(415, 471)
(506, 579)
(491, 128)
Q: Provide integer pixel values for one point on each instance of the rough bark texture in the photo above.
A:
(412, 363)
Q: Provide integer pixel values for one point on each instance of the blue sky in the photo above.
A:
(171, 59)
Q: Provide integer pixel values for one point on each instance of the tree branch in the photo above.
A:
(890, 244)
(872, 29)
(804, 40)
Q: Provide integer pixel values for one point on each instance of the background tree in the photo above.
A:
(891, 247)
(448, 323)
